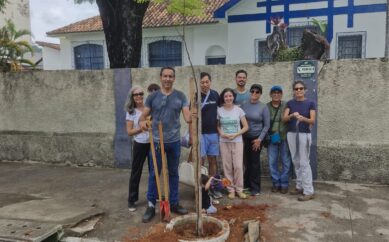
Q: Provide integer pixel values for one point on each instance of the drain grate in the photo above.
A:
(19, 230)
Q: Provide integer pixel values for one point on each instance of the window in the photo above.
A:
(213, 60)
(89, 56)
(350, 46)
(165, 53)
(295, 34)
(263, 54)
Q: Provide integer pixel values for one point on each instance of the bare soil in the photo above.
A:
(235, 215)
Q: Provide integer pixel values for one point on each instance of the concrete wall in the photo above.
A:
(61, 116)
(57, 116)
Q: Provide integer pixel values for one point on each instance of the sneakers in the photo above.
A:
(284, 190)
(241, 195)
(149, 214)
(254, 193)
(231, 195)
(216, 194)
(304, 197)
(178, 209)
(132, 207)
(275, 189)
(296, 192)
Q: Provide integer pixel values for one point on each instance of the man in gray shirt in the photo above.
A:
(165, 106)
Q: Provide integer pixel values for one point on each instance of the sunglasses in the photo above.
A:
(138, 94)
(299, 88)
(255, 91)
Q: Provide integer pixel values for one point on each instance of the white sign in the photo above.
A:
(306, 69)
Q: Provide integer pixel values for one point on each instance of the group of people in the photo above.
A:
(236, 125)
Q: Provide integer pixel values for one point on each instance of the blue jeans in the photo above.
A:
(173, 152)
(275, 152)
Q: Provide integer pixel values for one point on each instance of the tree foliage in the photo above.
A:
(2, 5)
(12, 49)
(122, 25)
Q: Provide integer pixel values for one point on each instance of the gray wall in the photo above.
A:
(69, 115)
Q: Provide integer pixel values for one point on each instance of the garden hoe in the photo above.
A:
(156, 171)
(165, 206)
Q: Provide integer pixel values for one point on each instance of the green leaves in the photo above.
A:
(321, 24)
(12, 50)
(184, 7)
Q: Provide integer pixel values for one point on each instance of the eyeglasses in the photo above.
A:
(138, 94)
(299, 88)
(255, 91)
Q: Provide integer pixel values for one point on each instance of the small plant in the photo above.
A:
(321, 24)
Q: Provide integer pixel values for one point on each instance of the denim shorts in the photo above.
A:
(209, 145)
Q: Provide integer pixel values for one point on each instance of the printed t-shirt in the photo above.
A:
(230, 122)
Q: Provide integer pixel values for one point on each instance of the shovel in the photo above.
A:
(154, 157)
(164, 204)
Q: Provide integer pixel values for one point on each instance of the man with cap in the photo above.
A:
(278, 147)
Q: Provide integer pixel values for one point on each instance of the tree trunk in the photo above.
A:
(387, 30)
(122, 23)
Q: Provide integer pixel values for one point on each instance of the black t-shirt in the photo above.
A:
(209, 112)
(206, 201)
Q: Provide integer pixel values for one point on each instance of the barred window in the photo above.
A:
(165, 53)
(350, 46)
(89, 56)
(263, 54)
(295, 34)
(212, 60)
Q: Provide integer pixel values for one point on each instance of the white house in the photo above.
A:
(231, 32)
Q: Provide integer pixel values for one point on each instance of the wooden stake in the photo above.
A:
(196, 155)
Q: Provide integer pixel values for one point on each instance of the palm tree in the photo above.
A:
(12, 49)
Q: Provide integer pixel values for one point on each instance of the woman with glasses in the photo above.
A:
(141, 145)
(230, 116)
(257, 115)
(299, 115)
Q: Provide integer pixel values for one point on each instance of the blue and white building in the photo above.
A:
(234, 32)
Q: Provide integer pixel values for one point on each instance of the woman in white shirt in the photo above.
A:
(141, 144)
(230, 116)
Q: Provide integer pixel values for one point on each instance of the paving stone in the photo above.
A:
(19, 230)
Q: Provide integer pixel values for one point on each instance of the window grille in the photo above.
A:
(89, 57)
(350, 46)
(263, 54)
(165, 53)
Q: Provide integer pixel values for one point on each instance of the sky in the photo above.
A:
(47, 15)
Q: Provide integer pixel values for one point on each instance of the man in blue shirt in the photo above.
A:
(165, 106)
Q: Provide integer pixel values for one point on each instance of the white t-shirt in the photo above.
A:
(230, 122)
(141, 137)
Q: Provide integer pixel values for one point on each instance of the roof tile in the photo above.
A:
(156, 16)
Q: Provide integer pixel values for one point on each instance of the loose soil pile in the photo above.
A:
(235, 215)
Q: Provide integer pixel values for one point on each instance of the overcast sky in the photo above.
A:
(47, 15)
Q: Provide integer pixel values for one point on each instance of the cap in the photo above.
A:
(275, 88)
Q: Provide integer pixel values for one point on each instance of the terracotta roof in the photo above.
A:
(47, 44)
(156, 16)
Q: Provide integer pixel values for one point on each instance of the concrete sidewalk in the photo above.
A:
(66, 195)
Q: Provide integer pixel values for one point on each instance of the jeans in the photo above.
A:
(173, 152)
(277, 152)
(140, 152)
